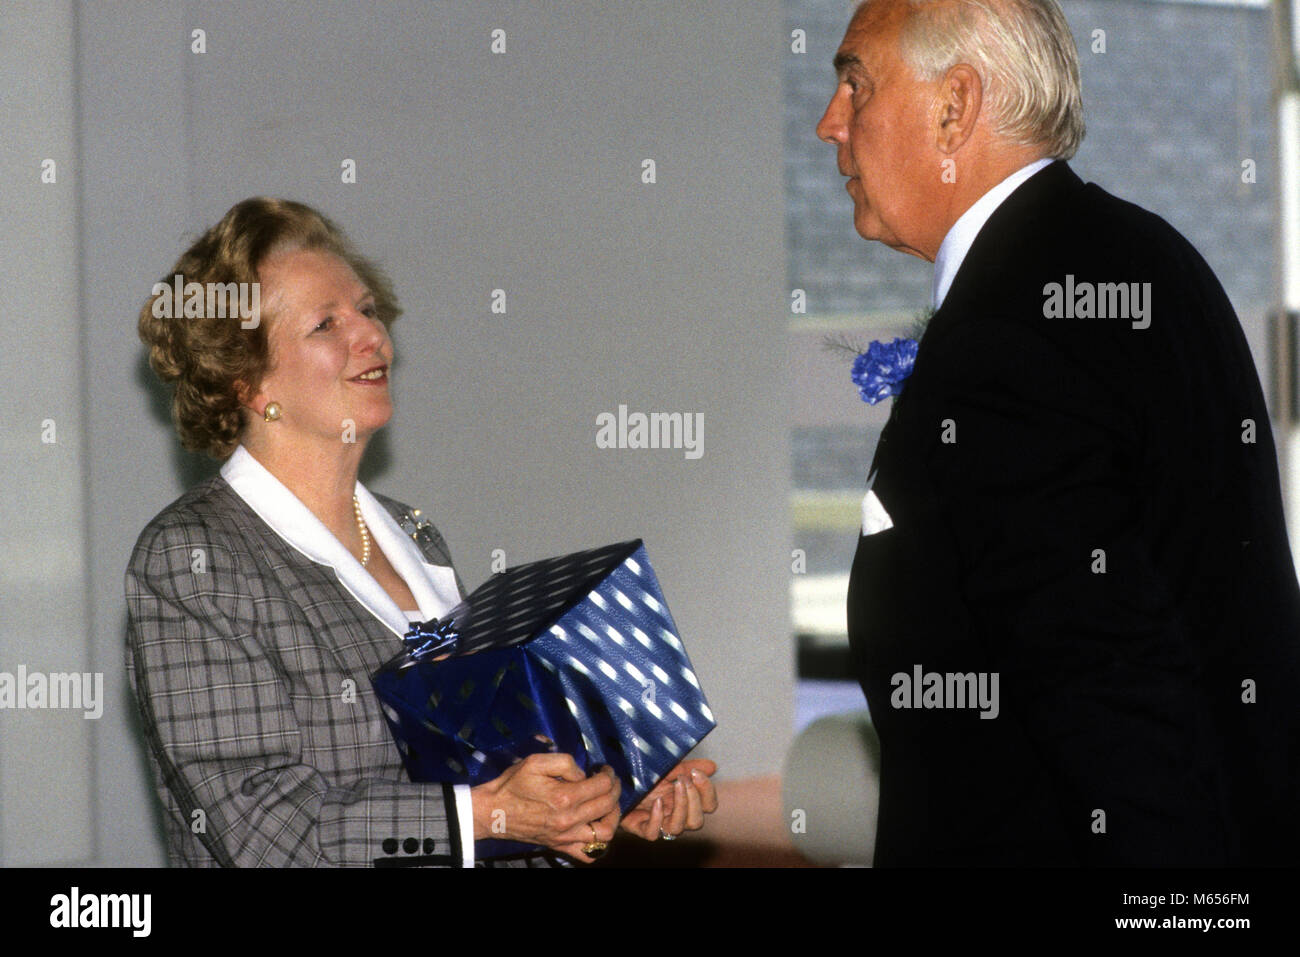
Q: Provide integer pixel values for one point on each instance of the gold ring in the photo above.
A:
(597, 847)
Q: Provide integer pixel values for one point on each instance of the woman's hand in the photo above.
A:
(677, 803)
(546, 799)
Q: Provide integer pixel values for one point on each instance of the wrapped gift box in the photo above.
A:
(577, 654)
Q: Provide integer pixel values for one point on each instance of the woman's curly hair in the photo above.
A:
(211, 356)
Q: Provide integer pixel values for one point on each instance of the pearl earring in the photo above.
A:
(272, 411)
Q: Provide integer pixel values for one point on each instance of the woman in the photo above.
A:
(261, 601)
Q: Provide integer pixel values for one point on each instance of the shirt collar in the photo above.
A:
(434, 586)
(963, 232)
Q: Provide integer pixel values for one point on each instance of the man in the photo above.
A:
(1073, 608)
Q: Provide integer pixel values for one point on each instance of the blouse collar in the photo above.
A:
(434, 586)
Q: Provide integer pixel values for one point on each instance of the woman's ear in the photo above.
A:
(246, 394)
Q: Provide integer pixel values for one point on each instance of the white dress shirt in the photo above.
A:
(957, 243)
(434, 586)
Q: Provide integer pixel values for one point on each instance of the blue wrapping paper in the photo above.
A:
(577, 654)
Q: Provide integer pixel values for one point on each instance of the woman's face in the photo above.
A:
(330, 354)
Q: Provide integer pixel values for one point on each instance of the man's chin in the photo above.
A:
(874, 234)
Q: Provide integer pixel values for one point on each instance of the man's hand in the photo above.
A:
(545, 799)
(677, 803)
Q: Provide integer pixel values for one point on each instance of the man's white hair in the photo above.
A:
(1024, 53)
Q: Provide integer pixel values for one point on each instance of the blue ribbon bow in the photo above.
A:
(427, 638)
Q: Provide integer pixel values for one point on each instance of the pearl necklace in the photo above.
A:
(365, 532)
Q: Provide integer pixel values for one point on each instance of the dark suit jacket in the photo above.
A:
(1091, 511)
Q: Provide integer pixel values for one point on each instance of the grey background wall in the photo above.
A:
(47, 759)
(475, 171)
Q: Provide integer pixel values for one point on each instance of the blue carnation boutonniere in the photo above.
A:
(880, 369)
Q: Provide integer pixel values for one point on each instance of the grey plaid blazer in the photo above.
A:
(251, 668)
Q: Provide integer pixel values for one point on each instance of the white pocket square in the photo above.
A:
(874, 517)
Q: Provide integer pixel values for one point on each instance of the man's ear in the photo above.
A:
(957, 107)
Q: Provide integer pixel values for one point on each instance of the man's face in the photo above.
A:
(879, 120)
